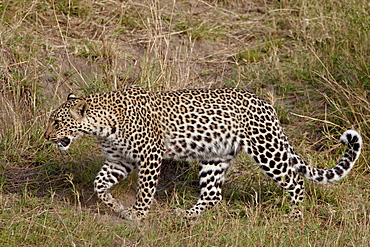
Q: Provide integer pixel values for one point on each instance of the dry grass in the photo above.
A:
(311, 58)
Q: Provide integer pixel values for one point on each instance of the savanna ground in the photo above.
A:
(311, 58)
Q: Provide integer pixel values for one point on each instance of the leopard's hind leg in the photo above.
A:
(211, 178)
(274, 157)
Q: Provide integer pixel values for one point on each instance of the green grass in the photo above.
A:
(310, 58)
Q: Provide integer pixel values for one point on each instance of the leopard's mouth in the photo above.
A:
(63, 144)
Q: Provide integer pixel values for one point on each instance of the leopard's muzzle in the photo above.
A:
(63, 144)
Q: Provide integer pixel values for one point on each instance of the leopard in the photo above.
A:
(137, 129)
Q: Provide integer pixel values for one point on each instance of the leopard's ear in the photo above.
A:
(78, 111)
(71, 96)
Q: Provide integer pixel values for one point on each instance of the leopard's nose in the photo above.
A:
(46, 136)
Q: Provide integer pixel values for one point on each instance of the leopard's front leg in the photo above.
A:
(110, 174)
(149, 170)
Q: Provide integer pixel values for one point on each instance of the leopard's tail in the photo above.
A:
(353, 140)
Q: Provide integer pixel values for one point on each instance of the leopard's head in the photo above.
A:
(65, 123)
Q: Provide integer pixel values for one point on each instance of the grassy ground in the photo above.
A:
(311, 58)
